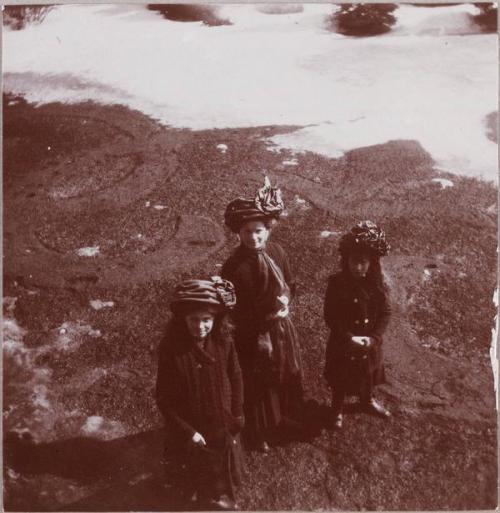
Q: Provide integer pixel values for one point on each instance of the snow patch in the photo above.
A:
(291, 162)
(327, 233)
(101, 428)
(92, 424)
(415, 83)
(40, 398)
(319, 139)
(159, 207)
(97, 304)
(222, 148)
(280, 8)
(70, 335)
(443, 182)
(89, 251)
(16, 350)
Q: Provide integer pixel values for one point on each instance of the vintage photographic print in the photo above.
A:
(250, 256)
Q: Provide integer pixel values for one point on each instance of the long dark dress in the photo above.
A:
(353, 308)
(273, 385)
(200, 389)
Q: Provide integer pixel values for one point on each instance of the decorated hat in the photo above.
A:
(267, 204)
(365, 236)
(192, 294)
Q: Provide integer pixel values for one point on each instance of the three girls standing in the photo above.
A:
(200, 384)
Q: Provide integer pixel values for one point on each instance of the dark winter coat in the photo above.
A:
(353, 308)
(269, 383)
(200, 389)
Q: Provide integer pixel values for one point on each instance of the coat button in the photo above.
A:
(367, 321)
(355, 299)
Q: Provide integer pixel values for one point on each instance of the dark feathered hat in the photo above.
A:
(266, 205)
(365, 236)
(192, 294)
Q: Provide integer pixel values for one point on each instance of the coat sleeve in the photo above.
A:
(167, 396)
(383, 316)
(333, 315)
(287, 272)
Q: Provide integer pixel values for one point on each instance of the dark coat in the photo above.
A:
(352, 308)
(273, 389)
(249, 314)
(200, 389)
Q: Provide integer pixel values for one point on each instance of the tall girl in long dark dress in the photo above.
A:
(199, 392)
(266, 340)
(357, 311)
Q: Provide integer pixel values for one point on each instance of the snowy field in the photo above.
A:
(433, 78)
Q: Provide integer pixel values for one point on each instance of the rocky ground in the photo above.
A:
(105, 210)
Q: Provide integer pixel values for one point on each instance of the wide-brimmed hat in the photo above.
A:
(193, 294)
(266, 205)
(364, 237)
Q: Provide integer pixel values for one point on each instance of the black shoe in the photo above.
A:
(223, 503)
(375, 408)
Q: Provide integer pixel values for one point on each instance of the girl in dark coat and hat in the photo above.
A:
(265, 338)
(357, 311)
(199, 392)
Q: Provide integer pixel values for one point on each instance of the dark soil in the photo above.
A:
(81, 429)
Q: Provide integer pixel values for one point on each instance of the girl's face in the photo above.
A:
(200, 323)
(358, 265)
(254, 234)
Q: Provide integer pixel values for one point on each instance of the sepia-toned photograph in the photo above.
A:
(250, 257)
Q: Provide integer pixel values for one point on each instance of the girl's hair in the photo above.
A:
(269, 222)
(374, 276)
(221, 331)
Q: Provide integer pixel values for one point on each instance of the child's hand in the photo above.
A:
(198, 439)
(283, 300)
(362, 341)
(281, 314)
